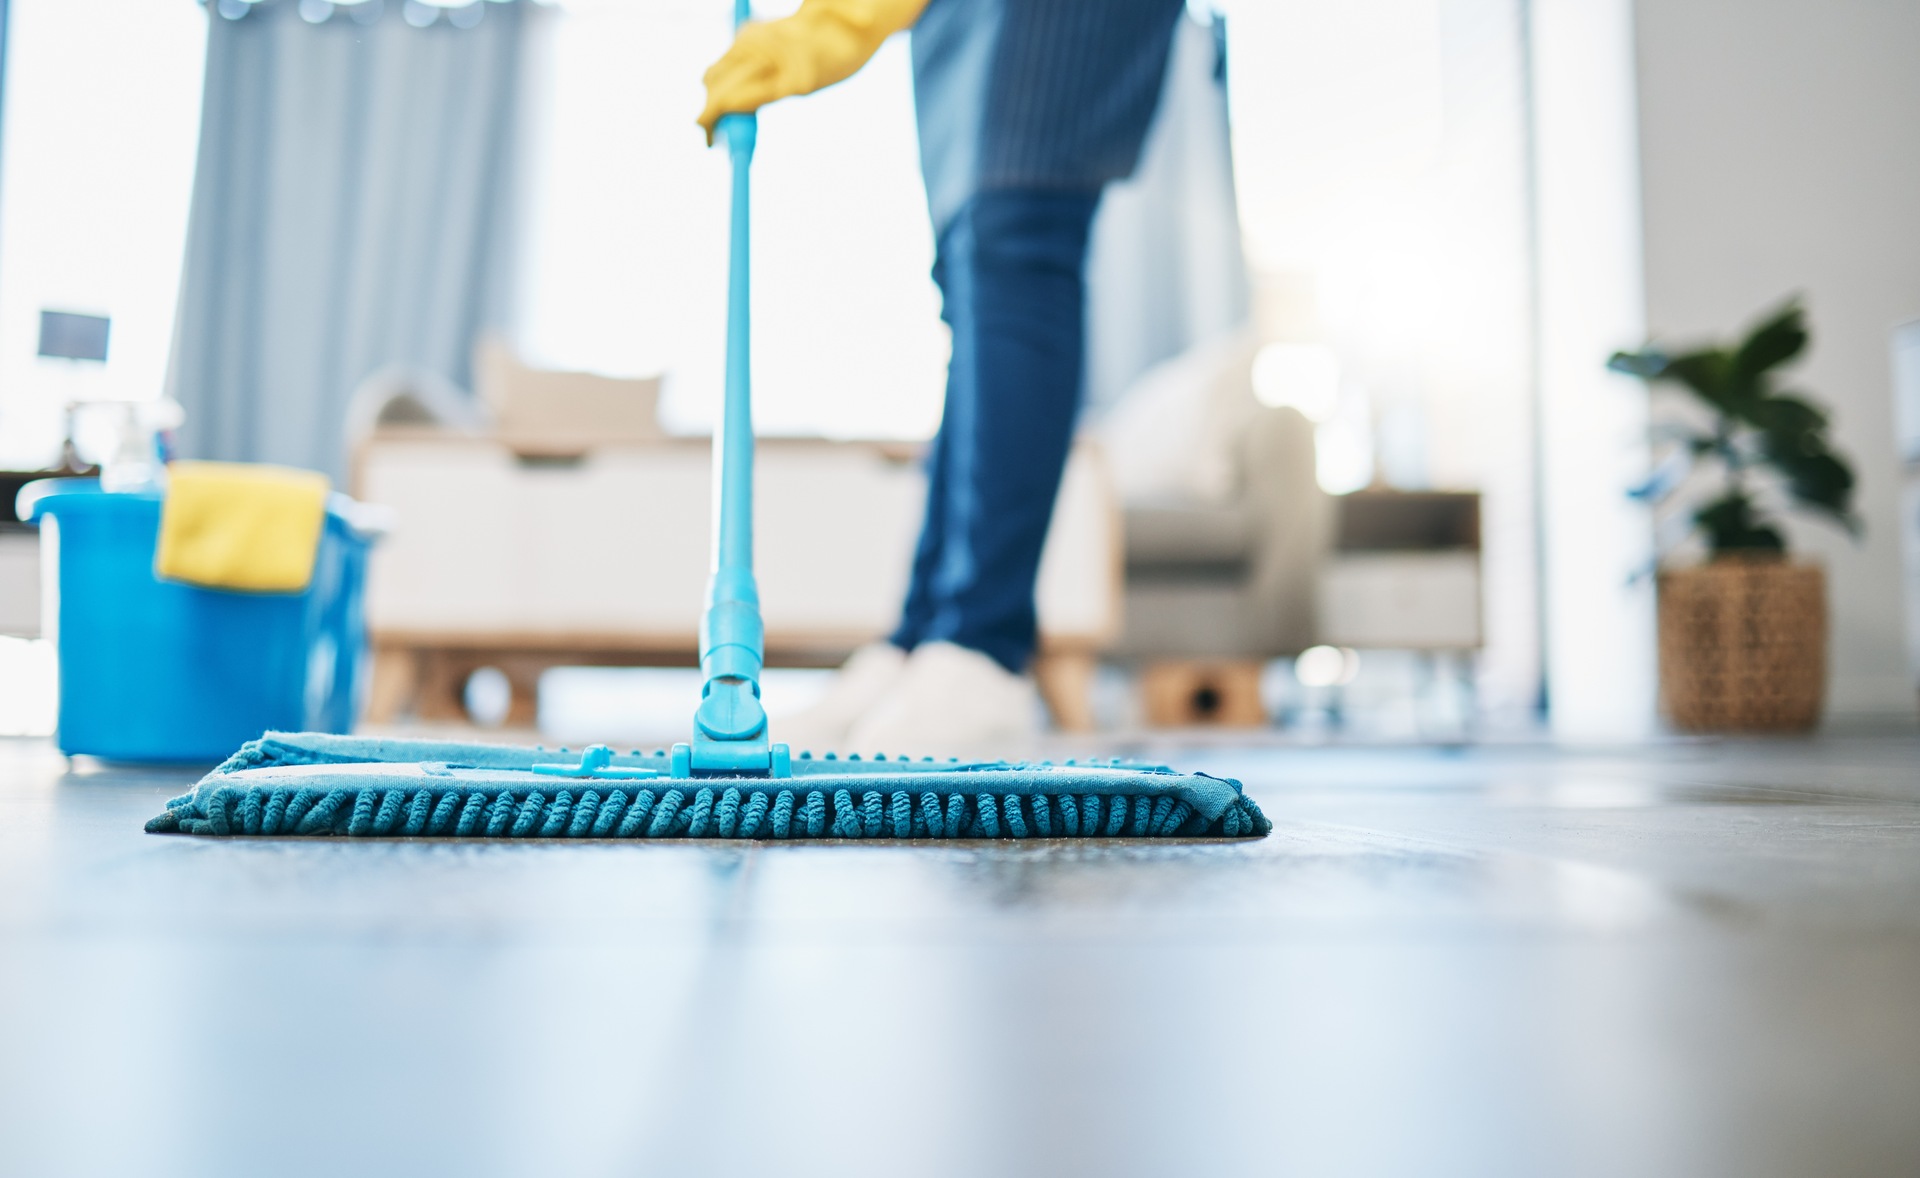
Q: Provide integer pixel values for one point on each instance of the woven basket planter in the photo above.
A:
(1743, 646)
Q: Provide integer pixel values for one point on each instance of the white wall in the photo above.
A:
(1780, 152)
(627, 255)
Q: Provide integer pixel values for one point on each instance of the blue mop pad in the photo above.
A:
(315, 784)
(730, 780)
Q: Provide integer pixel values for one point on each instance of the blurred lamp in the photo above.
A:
(488, 696)
(1327, 666)
(1343, 455)
(1301, 376)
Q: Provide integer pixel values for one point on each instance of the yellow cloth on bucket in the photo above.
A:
(234, 525)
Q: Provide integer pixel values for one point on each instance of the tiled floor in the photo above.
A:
(1689, 959)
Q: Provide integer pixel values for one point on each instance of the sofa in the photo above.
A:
(1234, 578)
(524, 543)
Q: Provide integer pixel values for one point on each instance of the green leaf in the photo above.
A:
(1647, 364)
(1775, 341)
(1731, 525)
(1820, 481)
(1788, 415)
(1665, 479)
(1682, 435)
(1706, 372)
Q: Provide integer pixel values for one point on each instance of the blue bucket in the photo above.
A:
(154, 670)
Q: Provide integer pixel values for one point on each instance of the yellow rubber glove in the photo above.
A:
(826, 41)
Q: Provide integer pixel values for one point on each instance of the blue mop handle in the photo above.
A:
(733, 471)
(733, 602)
(733, 446)
(732, 638)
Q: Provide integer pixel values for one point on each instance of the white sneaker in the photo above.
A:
(951, 701)
(857, 686)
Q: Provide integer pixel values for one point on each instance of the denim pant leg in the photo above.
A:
(917, 614)
(1011, 272)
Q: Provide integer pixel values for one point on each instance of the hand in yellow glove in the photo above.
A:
(826, 41)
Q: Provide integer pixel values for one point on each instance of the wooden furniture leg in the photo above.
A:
(523, 675)
(1184, 693)
(443, 680)
(394, 684)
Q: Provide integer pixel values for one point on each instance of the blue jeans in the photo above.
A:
(1011, 270)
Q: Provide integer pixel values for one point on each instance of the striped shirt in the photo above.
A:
(1034, 94)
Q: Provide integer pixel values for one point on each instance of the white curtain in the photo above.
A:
(352, 208)
(1166, 269)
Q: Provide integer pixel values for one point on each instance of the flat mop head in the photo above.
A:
(317, 784)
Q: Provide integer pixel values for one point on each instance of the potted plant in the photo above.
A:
(1743, 636)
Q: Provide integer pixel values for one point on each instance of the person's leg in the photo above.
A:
(917, 613)
(1012, 273)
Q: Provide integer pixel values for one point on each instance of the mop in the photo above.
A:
(730, 781)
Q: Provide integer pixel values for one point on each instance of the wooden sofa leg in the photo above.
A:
(523, 675)
(443, 679)
(1181, 693)
(394, 685)
(1066, 684)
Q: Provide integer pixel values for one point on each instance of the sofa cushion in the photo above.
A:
(1175, 432)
